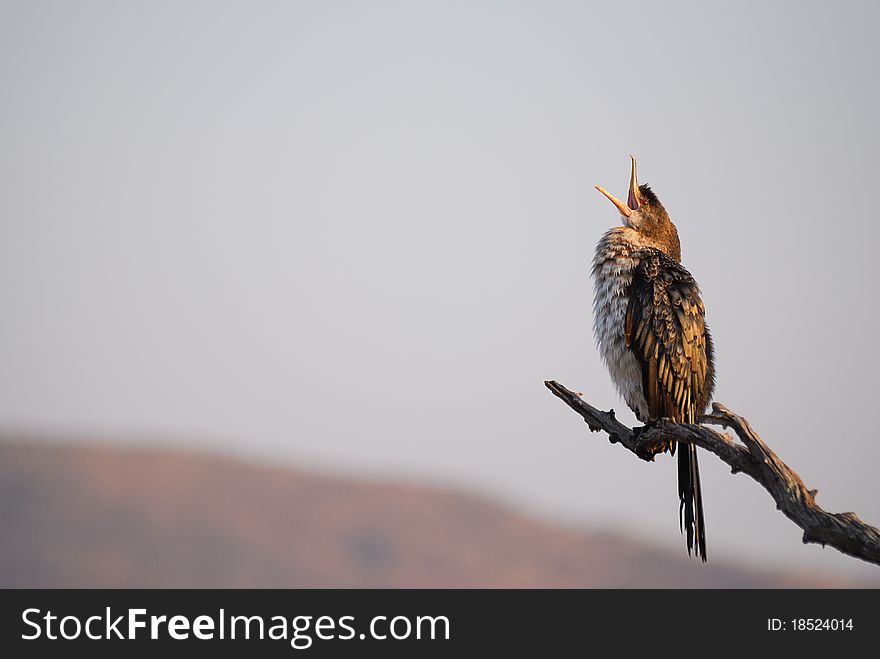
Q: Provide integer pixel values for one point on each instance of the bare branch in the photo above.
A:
(843, 531)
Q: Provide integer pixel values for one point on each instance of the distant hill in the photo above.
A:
(96, 516)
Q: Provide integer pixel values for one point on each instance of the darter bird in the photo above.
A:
(649, 322)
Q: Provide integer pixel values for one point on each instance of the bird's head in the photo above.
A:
(644, 214)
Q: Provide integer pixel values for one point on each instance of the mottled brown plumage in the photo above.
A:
(650, 324)
(675, 356)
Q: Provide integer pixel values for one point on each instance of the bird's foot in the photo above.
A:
(637, 431)
(647, 448)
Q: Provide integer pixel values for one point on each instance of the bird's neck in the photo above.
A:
(626, 241)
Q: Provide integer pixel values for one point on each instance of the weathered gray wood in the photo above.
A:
(843, 531)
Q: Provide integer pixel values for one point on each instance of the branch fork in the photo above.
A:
(843, 531)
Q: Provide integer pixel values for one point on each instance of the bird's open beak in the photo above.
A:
(634, 199)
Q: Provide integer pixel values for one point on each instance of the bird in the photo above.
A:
(649, 324)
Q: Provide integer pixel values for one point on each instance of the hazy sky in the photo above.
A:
(358, 235)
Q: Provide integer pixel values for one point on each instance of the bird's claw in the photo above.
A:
(645, 450)
(637, 431)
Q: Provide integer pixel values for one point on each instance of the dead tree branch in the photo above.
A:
(843, 531)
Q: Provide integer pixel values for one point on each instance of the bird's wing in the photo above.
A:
(666, 330)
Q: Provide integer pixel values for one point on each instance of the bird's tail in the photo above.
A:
(691, 500)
